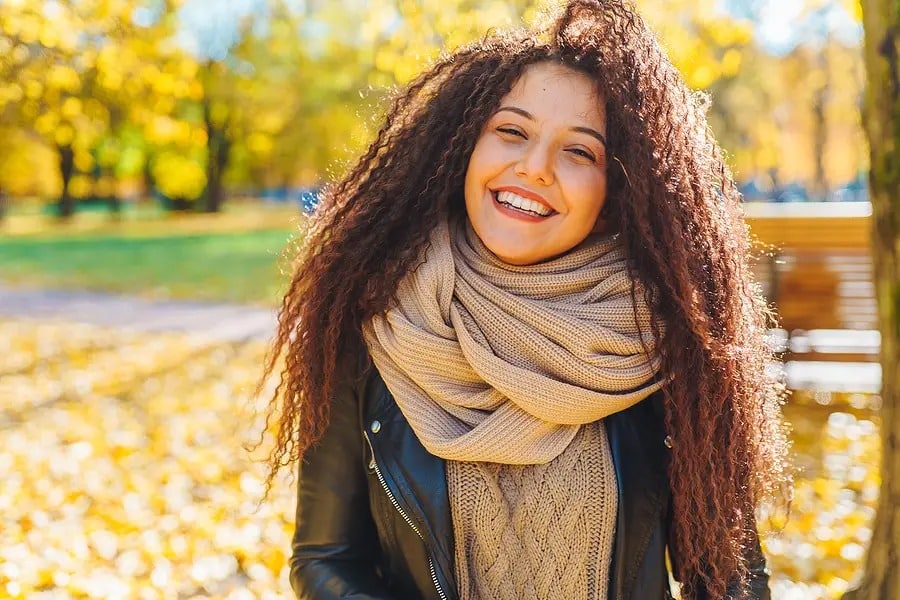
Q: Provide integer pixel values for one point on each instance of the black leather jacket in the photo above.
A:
(373, 517)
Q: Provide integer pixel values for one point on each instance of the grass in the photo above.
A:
(145, 219)
(233, 257)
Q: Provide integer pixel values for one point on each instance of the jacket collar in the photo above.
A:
(636, 437)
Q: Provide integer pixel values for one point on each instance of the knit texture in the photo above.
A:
(491, 362)
(536, 531)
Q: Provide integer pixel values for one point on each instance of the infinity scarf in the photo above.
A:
(502, 363)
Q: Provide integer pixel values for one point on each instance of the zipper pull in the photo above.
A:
(372, 464)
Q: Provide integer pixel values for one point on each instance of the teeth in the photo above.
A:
(523, 203)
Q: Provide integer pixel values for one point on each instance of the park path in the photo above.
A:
(235, 323)
(221, 322)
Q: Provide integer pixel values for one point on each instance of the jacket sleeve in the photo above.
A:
(334, 547)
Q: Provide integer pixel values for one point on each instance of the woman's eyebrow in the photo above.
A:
(518, 111)
(593, 133)
(586, 130)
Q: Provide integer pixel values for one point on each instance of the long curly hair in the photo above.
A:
(673, 200)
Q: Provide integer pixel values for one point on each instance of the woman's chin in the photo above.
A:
(513, 253)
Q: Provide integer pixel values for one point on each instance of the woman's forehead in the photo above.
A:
(553, 90)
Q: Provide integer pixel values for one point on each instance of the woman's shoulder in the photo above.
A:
(354, 366)
(647, 416)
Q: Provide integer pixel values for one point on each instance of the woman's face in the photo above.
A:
(536, 180)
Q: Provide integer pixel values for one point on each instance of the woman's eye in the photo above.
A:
(511, 131)
(583, 153)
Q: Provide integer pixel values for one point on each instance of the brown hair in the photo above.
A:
(671, 196)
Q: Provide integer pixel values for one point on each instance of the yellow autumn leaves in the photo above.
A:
(125, 474)
(821, 547)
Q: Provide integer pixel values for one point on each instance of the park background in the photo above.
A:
(157, 158)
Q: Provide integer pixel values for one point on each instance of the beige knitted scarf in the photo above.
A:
(501, 363)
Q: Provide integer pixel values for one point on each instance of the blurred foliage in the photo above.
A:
(126, 476)
(781, 114)
(111, 97)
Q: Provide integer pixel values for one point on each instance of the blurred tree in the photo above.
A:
(704, 42)
(252, 68)
(881, 19)
(72, 74)
(308, 109)
(792, 113)
(219, 125)
(317, 102)
(193, 101)
(29, 47)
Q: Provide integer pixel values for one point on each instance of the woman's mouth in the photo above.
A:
(516, 205)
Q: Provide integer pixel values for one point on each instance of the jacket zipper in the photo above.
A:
(406, 517)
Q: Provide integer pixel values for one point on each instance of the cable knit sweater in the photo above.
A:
(536, 531)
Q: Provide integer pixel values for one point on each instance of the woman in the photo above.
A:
(524, 355)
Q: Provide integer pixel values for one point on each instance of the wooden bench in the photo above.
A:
(815, 267)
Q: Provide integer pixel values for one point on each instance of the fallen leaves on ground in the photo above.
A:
(126, 469)
(126, 474)
(837, 453)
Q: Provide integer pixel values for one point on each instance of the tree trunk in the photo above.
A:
(66, 170)
(881, 117)
(150, 191)
(820, 124)
(218, 148)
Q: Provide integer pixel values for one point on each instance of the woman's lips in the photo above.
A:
(516, 213)
(524, 193)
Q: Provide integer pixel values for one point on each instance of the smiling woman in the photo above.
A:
(536, 180)
(524, 355)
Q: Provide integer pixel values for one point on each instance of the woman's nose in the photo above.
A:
(535, 165)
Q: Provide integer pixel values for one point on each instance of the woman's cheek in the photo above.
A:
(487, 153)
